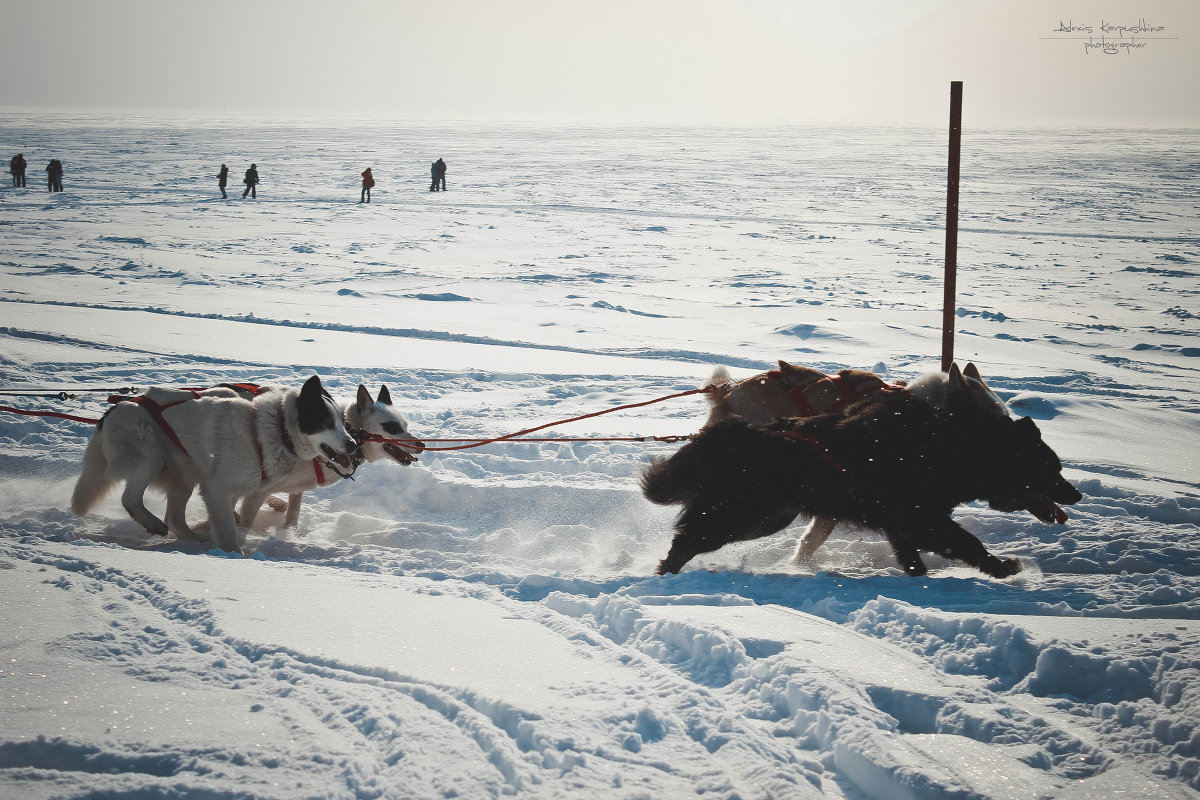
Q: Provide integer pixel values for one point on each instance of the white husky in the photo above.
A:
(228, 446)
(377, 418)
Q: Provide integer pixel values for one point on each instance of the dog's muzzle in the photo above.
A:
(402, 455)
(1046, 508)
(343, 460)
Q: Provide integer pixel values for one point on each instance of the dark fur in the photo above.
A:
(890, 462)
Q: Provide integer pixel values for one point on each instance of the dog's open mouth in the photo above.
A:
(1048, 511)
(343, 460)
(399, 454)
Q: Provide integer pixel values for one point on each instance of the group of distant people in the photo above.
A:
(54, 172)
(54, 175)
(251, 181)
(437, 171)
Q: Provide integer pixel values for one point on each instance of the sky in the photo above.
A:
(702, 61)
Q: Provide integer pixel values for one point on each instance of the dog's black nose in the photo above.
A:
(1066, 494)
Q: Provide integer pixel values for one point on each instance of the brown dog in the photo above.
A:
(793, 391)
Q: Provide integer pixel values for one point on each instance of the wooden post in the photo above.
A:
(951, 278)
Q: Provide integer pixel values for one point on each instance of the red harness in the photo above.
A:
(846, 394)
(156, 411)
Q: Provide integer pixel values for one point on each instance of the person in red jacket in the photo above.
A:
(368, 182)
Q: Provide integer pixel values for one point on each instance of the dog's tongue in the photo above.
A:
(400, 454)
(340, 459)
(1048, 511)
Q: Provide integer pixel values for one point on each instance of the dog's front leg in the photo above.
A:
(907, 555)
(949, 539)
(293, 510)
(251, 504)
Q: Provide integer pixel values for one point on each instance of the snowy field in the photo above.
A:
(486, 623)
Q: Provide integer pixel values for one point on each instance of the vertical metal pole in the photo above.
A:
(951, 278)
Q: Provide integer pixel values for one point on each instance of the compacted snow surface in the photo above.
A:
(486, 623)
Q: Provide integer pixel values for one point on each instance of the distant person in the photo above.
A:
(251, 182)
(439, 174)
(368, 182)
(17, 167)
(222, 179)
(433, 176)
(54, 175)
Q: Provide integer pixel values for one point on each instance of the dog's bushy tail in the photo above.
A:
(668, 481)
(92, 486)
(719, 385)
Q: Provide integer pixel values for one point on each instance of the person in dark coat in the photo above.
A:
(17, 167)
(54, 175)
(439, 174)
(251, 182)
(433, 176)
(222, 179)
(368, 182)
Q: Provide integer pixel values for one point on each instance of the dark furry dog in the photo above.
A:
(891, 462)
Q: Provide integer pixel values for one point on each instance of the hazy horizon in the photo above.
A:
(707, 62)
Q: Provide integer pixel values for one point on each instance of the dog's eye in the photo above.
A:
(394, 428)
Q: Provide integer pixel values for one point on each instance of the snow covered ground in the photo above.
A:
(486, 623)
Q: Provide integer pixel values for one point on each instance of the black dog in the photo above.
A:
(890, 462)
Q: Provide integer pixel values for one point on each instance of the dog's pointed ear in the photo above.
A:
(385, 397)
(363, 401)
(956, 376)
(957, 388)
(799, 375)
(972, 372)
(312, 389)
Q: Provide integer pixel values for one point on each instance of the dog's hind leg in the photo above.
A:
(133, 500)
(222, 524)
(813, 537)
(710, 526)
(177, 499)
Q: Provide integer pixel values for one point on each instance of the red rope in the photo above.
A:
(519, 436)
(27, 413)
(513, 437)
(374, 437)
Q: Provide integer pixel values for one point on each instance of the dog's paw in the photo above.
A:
(1001, 567)
(916, 569)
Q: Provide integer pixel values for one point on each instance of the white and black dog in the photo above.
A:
(230, 447)
(367, 420)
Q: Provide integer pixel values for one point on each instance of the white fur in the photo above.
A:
(373, 416)
(223, 435)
